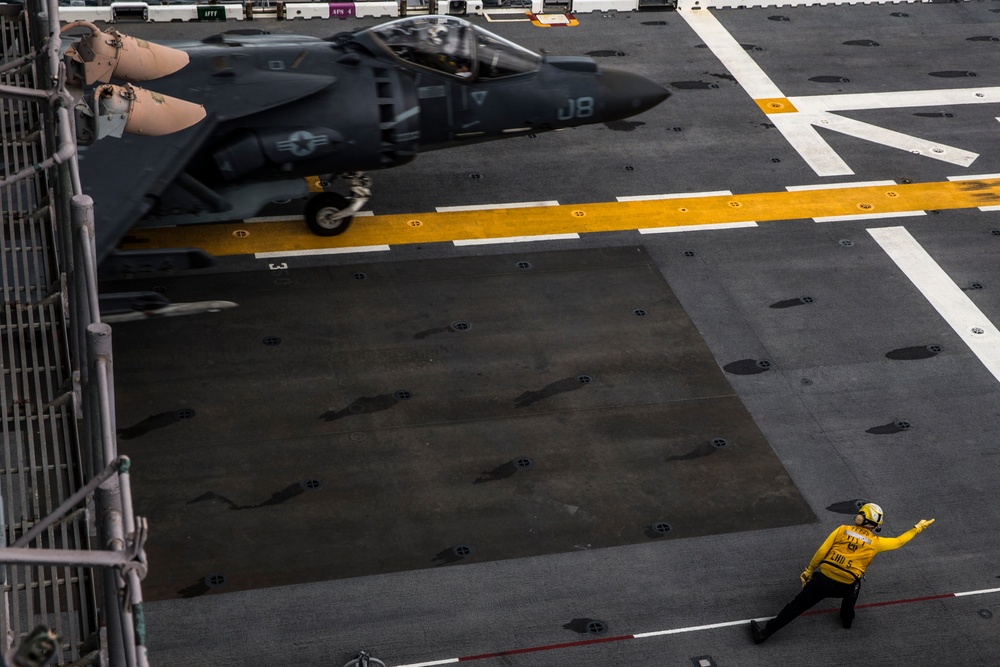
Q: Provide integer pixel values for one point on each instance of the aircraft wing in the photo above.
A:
(126, 176)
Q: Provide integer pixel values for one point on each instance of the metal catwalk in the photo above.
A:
(60, 491)
(41, 461)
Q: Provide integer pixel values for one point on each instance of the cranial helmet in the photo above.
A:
(870, 513)
(436, 34)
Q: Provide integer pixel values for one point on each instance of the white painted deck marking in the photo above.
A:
(838, 186)
(973, 177)
(983, 591)
(321, 251)
(676, 195)
(948, 299)
(517, 239)
(698, 628)
(696, 228)
(799, 126)
(901, 99)
(296, 218)
(275, 218)
(808, 143)
(502, 12)
(890, 138)
(491, 207)
(739, 63)
(869, 216)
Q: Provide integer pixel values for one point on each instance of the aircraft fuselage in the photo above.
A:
(372, 108)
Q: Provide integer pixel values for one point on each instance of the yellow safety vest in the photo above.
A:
(849, 550)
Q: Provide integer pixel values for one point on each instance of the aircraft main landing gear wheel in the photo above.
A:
(321, 214)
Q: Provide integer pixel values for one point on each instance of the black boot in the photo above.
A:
(759, 633)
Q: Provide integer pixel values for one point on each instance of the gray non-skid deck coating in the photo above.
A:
(825, 406)
(380, 432)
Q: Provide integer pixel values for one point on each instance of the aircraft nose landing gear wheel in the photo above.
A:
(329, 214)
(324, 214)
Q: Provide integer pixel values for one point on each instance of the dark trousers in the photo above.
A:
(818, 588)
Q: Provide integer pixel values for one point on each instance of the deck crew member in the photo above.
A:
(837, 567)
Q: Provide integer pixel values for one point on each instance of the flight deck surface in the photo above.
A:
(484, 410)
(843, 339)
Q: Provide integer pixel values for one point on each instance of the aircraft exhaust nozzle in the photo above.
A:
(104, 55)
(623, 94)
(143, 111)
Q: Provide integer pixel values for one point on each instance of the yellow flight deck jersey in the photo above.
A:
(849, 550)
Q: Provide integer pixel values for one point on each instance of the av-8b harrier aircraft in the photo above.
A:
(279, 108)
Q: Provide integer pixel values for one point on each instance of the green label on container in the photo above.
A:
(211, 13)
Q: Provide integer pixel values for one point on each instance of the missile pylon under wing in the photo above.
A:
(281, 108)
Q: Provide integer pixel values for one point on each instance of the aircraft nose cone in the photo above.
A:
(624, 94)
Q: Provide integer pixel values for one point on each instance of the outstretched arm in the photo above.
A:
(890, 543)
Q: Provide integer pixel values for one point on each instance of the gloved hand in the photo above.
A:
(805, 577)
(923, 523)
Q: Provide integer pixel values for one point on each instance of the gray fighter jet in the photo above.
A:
(279, 108)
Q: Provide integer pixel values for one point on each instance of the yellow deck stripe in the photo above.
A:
(250, 238)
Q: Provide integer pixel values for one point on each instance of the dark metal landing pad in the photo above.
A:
(392, 416)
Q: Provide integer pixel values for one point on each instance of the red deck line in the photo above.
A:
(548, 647)
(883, 604)
(604, 640)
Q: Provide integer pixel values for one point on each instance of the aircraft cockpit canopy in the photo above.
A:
(454, 46)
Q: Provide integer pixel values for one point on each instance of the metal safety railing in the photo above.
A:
(71, 557)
